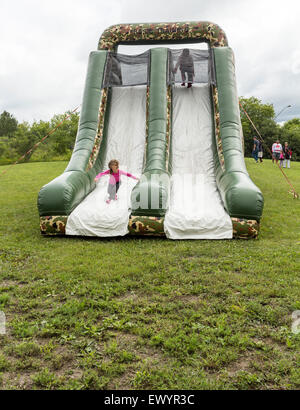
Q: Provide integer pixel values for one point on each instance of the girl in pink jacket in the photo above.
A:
(114, 179)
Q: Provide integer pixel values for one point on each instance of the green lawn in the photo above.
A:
(148, 313)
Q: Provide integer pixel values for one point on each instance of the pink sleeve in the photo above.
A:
(127, 174)
(102, 173)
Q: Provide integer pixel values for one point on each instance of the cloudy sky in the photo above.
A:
(44, 47)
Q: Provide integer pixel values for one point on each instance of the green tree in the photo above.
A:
(8, 124)
(263, 117)
(63, 139)
(58, 145)
(293, 124)
(290, 132)
(23, 140)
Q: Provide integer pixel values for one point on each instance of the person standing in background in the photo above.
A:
(255, 149)
(276, 150)
(260, 151)
(281, 159)
(287, 153)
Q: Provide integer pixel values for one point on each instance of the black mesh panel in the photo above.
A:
(126, 70)
(189, 65)
(184, 65)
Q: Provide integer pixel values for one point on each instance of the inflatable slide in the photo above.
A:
(171, 118)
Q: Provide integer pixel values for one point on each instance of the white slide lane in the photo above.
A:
(196, 210)
(126, 143)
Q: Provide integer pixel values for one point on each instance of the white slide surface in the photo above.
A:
(196, 209)
(126, 143)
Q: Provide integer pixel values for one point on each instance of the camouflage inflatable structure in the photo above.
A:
(137, 108)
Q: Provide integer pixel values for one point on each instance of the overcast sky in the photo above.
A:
(44, 47)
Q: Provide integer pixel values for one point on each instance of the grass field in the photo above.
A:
(149, 313)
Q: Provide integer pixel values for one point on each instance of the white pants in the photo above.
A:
(288, 163)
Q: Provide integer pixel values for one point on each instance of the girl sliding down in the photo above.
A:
(114, 179)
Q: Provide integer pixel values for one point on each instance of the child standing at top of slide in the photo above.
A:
(114, 179)
(186, 65)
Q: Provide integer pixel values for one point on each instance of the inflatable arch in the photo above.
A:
(175, 122)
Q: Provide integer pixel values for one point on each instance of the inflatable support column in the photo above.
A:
(150, 196)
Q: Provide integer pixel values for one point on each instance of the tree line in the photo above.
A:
(263, 117)
(18, 138)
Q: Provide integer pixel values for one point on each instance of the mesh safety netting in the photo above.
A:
(194, 66)
(126, 70)
(184, 65)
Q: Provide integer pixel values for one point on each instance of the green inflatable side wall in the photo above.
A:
(65, 192)
(241, 197)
